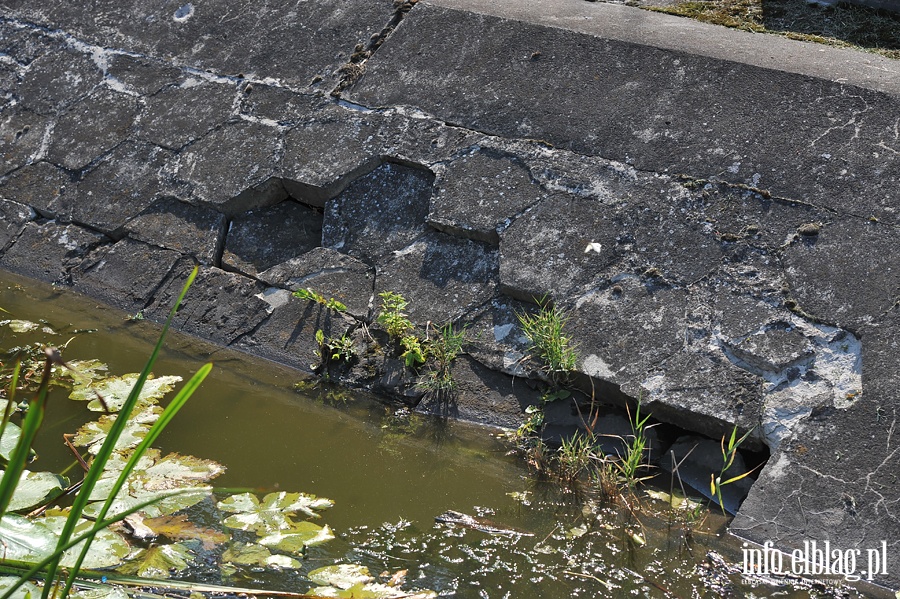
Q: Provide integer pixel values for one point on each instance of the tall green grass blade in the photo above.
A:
(11, 395)
(106, 450)
(171, 410)
(33, 419)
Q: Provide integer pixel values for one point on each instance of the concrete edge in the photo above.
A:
(639, 26)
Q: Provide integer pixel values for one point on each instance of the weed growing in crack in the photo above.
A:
(549, 342)
(636, 447)
(392, 317)
(414, 353)
(310, 295)
(728, 454)
(574, 456)
(443, 349)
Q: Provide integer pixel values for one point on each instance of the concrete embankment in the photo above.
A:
(716, 211)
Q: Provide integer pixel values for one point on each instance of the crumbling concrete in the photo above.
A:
(720, 229)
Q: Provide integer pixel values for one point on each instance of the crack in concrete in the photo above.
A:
(355, 67)
(851, 121)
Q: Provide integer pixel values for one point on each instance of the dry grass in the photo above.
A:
(842, 25)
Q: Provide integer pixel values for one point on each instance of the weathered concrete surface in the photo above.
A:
(717, 216)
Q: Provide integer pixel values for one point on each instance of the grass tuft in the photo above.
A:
(549, 342)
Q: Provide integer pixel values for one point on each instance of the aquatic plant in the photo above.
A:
(549, 342)
(73, 522)
(636, 448)
(147, 489)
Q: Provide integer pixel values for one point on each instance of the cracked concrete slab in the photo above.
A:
(94, 125)
(48, 250)
(129, 270)
(180, 114)
(242, 182)
(190, 230)
(330, 274)
(118, 186)
(22, 135)
(685, 114)
(260, 239)
(443, 277)
(379, 213)
(233, 39)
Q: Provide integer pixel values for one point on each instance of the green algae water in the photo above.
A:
(390, 474)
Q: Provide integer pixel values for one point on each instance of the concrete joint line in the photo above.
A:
(355, 66)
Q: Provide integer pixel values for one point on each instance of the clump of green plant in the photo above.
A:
(397, 324)
(532, 425)
(574, 456)
(335, 348)
(636, 446)
(414, 352)
(604, 475)
(728, 454)
(443, 349)
(310, 295)
(392, 317)
(549, 342)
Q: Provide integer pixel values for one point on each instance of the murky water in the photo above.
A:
(389, 473)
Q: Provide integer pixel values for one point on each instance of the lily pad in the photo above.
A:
(81, 373)
(179, 528)
(156, 477)
(271, 514)
(176, 471)
(103, 591)
(27, 591)
(167, 502)
(161, 561)
(342, 576)
(25, 540)
(94, 433)
(36, 488)
(115, 391)
(21, 326)
(9, 438)
(251, 554)
(302, 535)
(107, 550)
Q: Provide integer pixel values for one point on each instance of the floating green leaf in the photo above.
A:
(156, 477)
(270, 515)
(372, 590)
(251, 554)
(8, 439)
(36, 488)
(21, 326)
(115, 390)
(94, 433)
(25, 540)
(160, 562)
(176, 471)
(300, 536)
(342, 576)
(81, 373)
(108, 549)
(26, 591)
